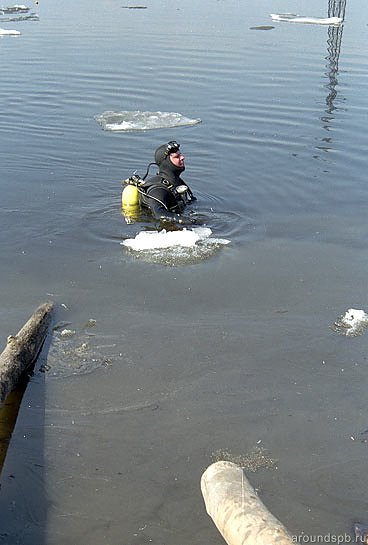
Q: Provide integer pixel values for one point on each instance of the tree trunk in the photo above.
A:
(238, 513)
(21, 350)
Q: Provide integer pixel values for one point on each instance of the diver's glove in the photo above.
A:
(195, 218)
(185, 220)
(177, 219)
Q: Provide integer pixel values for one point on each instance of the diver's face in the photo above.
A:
(177, 159)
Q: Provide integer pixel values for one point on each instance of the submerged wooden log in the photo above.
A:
(21, 350)
(238, 513)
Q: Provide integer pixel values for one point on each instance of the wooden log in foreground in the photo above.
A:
(21, 350)
(238, 513)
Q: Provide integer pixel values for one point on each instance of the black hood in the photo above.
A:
(166, 167)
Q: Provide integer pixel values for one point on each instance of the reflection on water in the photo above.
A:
(8, 418)
(23, 506)
(336, 8)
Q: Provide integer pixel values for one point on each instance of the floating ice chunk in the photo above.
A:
(17, 18)
(187, 238)
(5, 32)
(292, 18)
(67, 333)
(352, 323)
(174, 248)
(14, 9)
(353, 317)
(149, 240)
(142, 121)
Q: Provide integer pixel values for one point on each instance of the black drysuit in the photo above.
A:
(166, 194)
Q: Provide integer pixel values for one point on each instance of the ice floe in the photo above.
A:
(142, 121)
(16, 18)
(17, 13)
(150, 240)
(13, 9)
(293, 18)
(352, 323)
(5, 32)
(175, 247)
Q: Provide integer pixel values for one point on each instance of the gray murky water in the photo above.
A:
(170, 361)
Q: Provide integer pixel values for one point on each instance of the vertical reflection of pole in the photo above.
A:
(336, 8)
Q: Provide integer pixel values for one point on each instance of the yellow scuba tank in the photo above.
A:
(130, 199)
(130, 196)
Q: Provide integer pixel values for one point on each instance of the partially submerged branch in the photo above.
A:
(22, 350)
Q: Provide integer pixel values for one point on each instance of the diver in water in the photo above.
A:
(166, 194)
